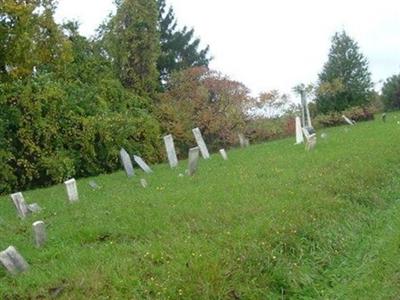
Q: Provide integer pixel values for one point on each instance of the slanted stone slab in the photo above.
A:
(94, 185)
(243, 141)
(145, 167)
(311, 138)
(72, 190)
(171, 153)
(39, 233)
(34, 208)
(126, 162)
(20, 204)
(299, 134)
(223, 154)
(193, 161)
(348, 121)
(200, 142)
(13, 261)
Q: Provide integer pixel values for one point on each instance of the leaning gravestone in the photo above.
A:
(39, 231)
(348, 121)
(72, 190)
(126, 162)
(13, 261)
(20, 204)
(145, 167)
(193, 160)
(94, 185)
(200, 142)
(243, 141)
(299, 134)
(171, 153)
(311, 138)
(223, 154)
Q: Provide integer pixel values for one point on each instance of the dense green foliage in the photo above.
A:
(357, 114)
(345, 80)
(391, 92)
(272, 222)
(179, 49)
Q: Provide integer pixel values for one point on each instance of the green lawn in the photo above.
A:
(273, 222)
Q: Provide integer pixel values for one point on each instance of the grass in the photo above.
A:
(273, 222)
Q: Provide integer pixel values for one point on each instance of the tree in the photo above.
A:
(179, 49)
(391, 92)
(345, 80)
(131, 39)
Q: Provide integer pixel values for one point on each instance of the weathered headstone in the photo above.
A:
(72, 190)
(20, 204)
(13, 261)
(39, 232)
(145, 167)
(193, 160)
(223, 154)
(126, 162)
(171, 153)
(200, 142)
(311, 139)
(34, 208)
(299, 134)
(244, 142)
(348, 121)
(143, 183)
(94, 185)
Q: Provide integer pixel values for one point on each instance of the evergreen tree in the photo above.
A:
(391, 92)
(132, 40)
(345, 80)
(179, 48)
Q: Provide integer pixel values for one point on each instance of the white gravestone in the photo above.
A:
(243, 141)
(200, 142)
(13, 261)
(39, 231)
(72, 190)
(20, 204)
(170, 148)
(223, 154)
(145, 167)
(311, 140)
(193, 160)
(143, 183)
(126, 162)
(299, 134)
(348, 121)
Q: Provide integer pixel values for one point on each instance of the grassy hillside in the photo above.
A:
(273, 222)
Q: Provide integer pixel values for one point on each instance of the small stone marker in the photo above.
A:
(94, 185)
(20, 205)
(13, 261)
(200, 142)
(145, 167)
(171, 153)
(72, 190)
(348, 121)
(193, 160)
(311, 139)
(39, 231)
(223, 154)
(243, 141)
(299, 134)
(126, 162)
(34, 208)
(143, 182)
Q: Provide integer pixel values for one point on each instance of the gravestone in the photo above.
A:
(299, 134)
(94, 185)
(348, 121)
(171, 153)
(311, 138)
(143, 183)
(145, 167)
(39, 232)
(200, 142)
(193, 160)
(243, 141)
(20, 204)
(126, 162)
(223, 154)
(13, 261)
(34, 208)
(72, 190)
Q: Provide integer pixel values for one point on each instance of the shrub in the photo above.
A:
(334, 119)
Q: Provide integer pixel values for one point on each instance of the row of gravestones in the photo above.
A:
(310, 134)
(14, 262)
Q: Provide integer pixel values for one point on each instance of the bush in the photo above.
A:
(262, 129)
(335, 119)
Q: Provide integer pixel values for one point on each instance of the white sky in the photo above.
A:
(274, 44)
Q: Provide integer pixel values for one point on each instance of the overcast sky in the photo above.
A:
(274, 44)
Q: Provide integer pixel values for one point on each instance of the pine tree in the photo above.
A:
(132, 40)
(179, 48)
(345, 80)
